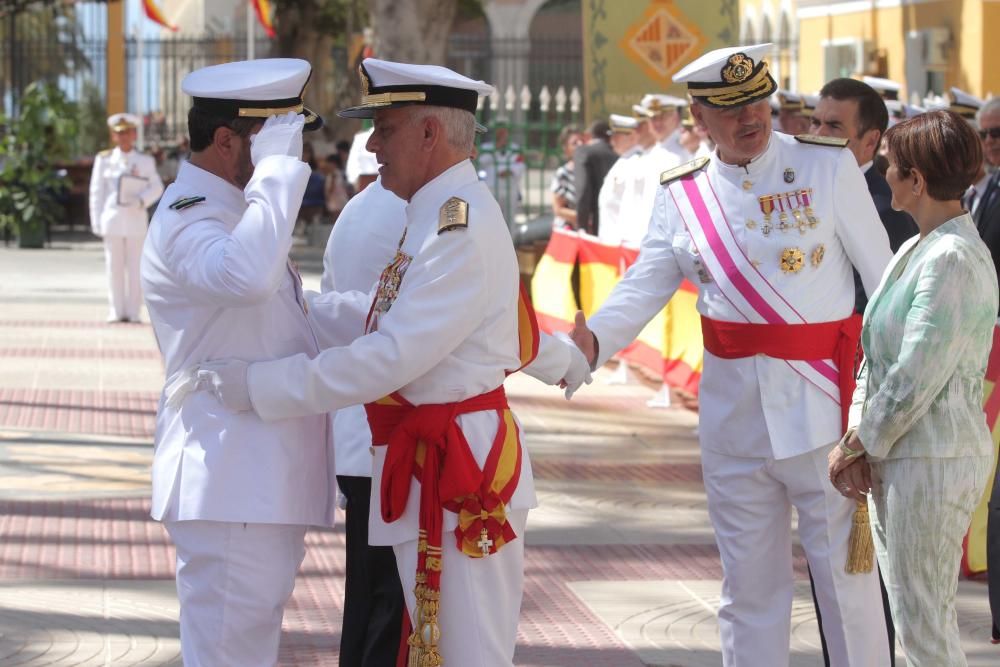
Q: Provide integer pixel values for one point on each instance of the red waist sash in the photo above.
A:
(825, 340)
(426, 443)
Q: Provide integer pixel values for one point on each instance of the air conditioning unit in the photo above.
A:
(937, 47)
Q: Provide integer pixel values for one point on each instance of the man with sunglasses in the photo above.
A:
(984, 202)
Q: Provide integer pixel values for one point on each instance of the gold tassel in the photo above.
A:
(413, 641)
(861, 547)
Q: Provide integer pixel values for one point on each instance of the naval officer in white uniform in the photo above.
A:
(767, 229)
(118, 213)
(427, 353)
(609, 200)
(236, 493)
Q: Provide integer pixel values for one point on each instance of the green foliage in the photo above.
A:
(29, 146)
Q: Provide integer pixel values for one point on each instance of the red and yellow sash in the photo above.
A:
(426, 443)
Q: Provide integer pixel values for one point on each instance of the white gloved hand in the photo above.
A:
(280, 135)
(227, 379)
(578, 372)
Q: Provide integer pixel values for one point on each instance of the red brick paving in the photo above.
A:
(79, 353)
(119, 413)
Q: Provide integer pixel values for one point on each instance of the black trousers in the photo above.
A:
(373, 596)
(890, 628)
(993, 553)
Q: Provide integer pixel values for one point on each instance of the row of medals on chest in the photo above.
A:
(794, 210)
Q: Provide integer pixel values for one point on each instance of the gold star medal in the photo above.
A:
(792, 260)
(817, 255)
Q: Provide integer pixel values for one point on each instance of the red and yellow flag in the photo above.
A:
(263, 10)
(153, 13)
(974, 549)
(669, 346)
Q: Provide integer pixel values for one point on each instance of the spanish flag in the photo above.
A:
(974, 549)
(263, 10)
(670, 344)
(154, 14)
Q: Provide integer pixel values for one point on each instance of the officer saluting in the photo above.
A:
(427, 352)
(767, 228)
(236, 493)
(123, 184)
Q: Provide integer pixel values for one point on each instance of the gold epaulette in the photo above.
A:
(106, 152)
(694, 165)
(820, 141)
(186, 202)
(454, 214)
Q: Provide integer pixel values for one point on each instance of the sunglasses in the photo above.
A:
(993, 133)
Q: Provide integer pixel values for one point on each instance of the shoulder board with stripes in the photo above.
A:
(106, 152)
(694, 165)
(454, 214)
(186, 202)
(836, 142)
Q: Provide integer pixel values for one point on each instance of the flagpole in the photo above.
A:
(250, 25)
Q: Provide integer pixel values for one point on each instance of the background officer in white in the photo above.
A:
(236, 493)
(118, 213)
(442, 330)
(362, 243)
(765, 430)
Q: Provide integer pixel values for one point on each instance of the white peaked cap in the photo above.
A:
(386, 84)
(252, 88)
(729, 77)
(657, 102)
(886, 87)
(622, 124)
(123, 121)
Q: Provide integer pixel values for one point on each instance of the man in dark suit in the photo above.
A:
(591, 164)
(852, 110)
(985, 207)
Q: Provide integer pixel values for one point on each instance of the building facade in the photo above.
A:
(926, 45)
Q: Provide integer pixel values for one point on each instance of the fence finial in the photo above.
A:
(509, 98)
(525, 98)
(561, 100)
(544, 98)
(574, 100)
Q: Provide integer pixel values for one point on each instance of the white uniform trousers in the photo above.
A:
(480, 598)
(920, 511)
(233, 580)
(121, 259)
(750, 503)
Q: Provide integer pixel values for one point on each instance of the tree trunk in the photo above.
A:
(412, 31)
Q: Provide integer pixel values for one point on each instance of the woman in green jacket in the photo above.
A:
(918, 438)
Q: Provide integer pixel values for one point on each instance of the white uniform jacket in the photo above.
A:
(609, 199)
(799, 417)
(672, 144)
(362, 243)
(110, 218)
(640, 193)
(218, 284)
(450, 334)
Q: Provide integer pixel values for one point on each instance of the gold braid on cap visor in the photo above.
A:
(757, 87)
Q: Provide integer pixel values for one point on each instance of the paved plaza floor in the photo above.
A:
(621, 565)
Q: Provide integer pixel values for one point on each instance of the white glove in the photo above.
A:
(578, 372)
(281, 135)
(227, 379)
